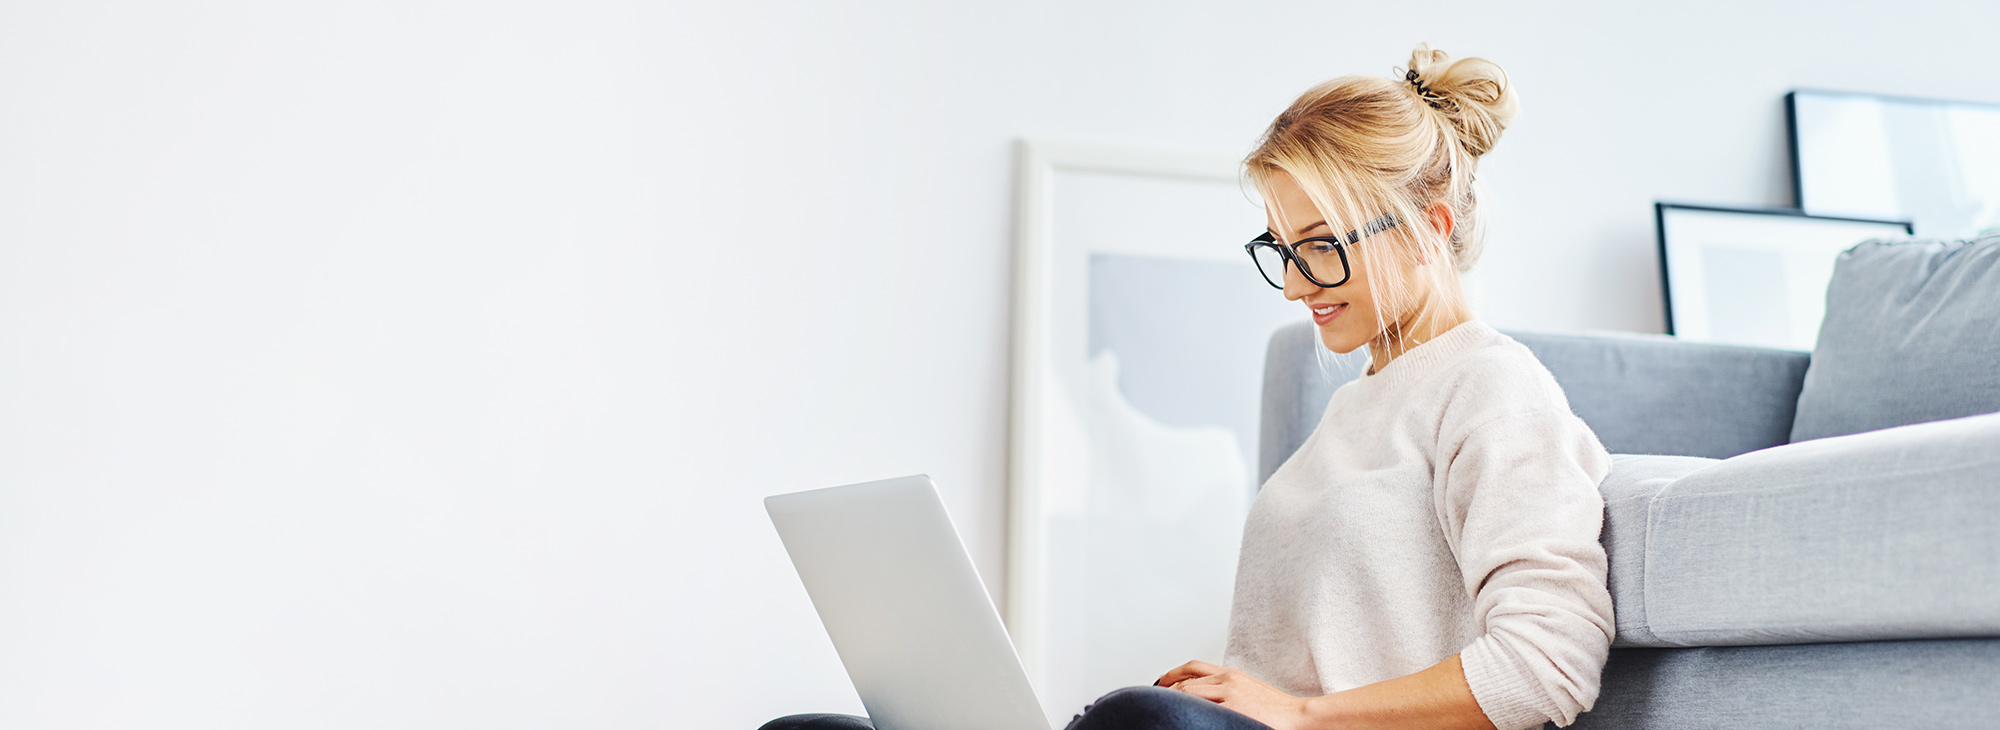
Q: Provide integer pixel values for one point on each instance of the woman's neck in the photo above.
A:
(1402, 337)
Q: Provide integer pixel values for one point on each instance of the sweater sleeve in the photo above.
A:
(1518, 501)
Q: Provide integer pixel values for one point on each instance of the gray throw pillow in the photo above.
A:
(1911, 334)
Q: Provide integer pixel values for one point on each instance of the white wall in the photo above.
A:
(422, 364)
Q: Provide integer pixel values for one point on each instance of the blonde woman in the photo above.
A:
(1429, 557)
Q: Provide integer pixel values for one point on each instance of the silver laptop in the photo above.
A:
(906, 610)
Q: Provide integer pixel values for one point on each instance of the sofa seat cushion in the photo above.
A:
(1887, 534)
(1941, 683)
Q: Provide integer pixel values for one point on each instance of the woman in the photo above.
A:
(1429, 557)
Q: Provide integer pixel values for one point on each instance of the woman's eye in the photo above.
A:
(1320, 247)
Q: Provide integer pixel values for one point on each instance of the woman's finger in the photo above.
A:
(1196, 668)
(1176, 674)
(1202, 667)
(1210, 679)
(1211, 692)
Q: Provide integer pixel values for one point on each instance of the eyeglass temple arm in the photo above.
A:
(1381, 223)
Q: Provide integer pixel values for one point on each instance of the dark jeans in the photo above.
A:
(1131, 708)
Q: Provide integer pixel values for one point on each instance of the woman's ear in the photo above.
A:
(1440, 216)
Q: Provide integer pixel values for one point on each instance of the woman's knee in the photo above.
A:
(820, 721)
(1141, 697)
(1159, 708)
(1131, 707)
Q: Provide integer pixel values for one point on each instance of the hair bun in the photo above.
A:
(1472, 92)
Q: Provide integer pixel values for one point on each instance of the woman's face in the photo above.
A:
(1346, 314)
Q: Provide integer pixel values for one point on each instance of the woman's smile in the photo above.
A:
(1325, 314)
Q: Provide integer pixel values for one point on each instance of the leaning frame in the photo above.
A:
(1036, 164)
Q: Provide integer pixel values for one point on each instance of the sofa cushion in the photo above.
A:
(1911, 334)
(1641, 394)
(1886, 534)
(1653, 394)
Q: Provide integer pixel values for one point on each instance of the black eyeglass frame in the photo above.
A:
(1289, 252)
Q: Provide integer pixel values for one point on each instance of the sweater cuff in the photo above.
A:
(1507, 693)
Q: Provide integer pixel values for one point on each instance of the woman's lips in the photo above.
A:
(1328, 317)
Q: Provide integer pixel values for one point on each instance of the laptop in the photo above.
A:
(907, 612)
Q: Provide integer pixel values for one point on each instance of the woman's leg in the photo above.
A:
(819, 722)
(1131, 708)
(1159, 708)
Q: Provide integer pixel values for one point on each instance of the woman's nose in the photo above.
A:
(1296, 285)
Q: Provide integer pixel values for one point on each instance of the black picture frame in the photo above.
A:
(1796, 154)
(1661, 244)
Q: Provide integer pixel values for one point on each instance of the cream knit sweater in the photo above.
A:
(1445, 505)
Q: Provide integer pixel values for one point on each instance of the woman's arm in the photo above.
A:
(1518, 502)
(1437, 697)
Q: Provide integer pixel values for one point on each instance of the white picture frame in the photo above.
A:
(1139, 331)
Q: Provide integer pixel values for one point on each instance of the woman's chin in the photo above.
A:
(1335, 342)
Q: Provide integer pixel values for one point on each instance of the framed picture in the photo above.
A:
(1139, 333)
(1935, 163)
(1753, 276)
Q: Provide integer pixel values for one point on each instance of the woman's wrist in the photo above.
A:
(1326, 711)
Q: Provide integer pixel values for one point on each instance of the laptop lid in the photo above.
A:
(906, 610)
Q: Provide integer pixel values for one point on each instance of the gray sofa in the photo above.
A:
(1796, 539)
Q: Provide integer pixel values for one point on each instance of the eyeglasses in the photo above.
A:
(1325, 254)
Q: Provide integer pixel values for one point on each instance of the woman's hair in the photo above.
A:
(1362, 146)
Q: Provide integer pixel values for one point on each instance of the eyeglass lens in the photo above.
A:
(1323, 263)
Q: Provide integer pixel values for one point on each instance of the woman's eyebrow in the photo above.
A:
(1302, 231)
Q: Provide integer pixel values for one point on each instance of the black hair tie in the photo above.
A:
(1437, 101)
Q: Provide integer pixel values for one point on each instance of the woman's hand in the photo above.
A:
(1240, 692)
